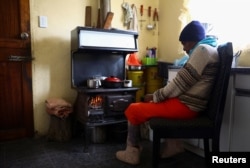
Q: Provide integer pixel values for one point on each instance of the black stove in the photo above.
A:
(99, 52)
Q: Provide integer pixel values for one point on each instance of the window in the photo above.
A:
(228, 18)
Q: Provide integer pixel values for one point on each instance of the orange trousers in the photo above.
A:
(138, 113)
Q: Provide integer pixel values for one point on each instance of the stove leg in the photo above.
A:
(87, 135)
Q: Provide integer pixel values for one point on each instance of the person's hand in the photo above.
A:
(148, 98)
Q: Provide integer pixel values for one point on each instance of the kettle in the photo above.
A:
(93, 83)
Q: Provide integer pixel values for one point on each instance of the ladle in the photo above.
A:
(149, 26)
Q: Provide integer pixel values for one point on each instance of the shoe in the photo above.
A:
(131, 155)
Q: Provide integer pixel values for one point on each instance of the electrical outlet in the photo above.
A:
(43, 21)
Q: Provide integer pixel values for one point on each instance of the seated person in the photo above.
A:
(185, 97)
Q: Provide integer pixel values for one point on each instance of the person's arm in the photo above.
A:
(186, 76)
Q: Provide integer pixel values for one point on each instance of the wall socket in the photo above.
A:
(43, 21)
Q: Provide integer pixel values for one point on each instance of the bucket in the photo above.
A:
(152, 77)
(136, 77)
(153, 80)
(140, 93)
(98, 134)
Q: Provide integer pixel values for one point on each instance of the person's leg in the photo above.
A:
(131, 154)
(138, 113)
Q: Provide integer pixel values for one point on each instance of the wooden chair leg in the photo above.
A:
(216, 144)
(206, 149)
(156, 150)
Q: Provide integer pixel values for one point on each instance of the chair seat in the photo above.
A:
(202, 125)
(201, 121)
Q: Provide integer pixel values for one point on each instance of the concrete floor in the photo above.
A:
(41, 153)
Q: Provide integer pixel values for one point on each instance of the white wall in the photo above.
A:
(51, 50)
(173, 17)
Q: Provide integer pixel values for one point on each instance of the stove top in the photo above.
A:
(100, 90)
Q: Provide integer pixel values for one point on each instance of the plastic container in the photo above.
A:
(140, 93)
(149, 61)
(136, 77)
(153, 80)
(152, 77)
(98, 134)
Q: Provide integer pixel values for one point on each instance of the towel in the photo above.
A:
(133, 25)
(128, 13)
(58, 107)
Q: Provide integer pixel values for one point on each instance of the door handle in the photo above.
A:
(24, 35)
(19, 58)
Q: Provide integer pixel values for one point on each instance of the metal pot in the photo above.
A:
(93, 83)
(112, 82)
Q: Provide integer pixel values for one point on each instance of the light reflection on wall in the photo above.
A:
(229, 18)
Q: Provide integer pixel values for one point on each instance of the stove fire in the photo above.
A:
(103, 107)
(95, 112)
(95, 102)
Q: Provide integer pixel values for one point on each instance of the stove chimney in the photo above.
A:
(105, 7)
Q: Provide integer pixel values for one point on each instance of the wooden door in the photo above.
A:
(16, 106)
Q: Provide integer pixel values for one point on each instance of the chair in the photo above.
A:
(206, 126)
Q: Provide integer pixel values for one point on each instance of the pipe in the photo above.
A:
(105, 7)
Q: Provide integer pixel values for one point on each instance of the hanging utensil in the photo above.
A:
(141, 10)
(149, 26)
(155, 17)
(141, 13)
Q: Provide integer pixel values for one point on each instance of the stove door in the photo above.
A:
(117, 104)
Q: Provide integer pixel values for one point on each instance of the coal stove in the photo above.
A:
(99, 52)
(96, 107)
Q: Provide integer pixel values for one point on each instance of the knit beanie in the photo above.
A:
(193, 31)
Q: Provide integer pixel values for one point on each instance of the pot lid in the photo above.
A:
(112, 79)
